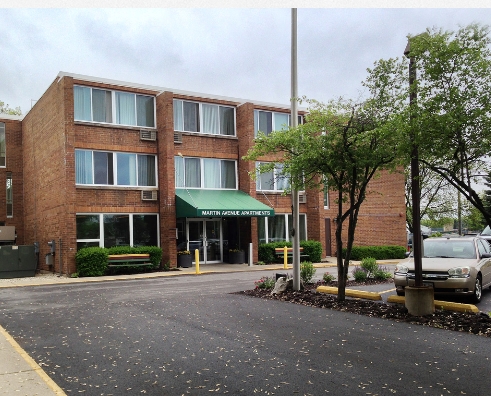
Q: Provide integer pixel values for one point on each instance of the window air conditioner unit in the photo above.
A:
(302, 198)
(146, 134)
(149, 195)
(177, 137)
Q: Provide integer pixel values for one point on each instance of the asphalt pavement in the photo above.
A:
(21, 375)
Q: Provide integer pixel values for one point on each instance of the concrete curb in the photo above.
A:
(445, 305)
(351, 293)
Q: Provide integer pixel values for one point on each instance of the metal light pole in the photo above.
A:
(294, 123)
(415, 188)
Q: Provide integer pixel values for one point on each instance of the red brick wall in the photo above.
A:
(14, 164)
(48, 197)
(167, 201)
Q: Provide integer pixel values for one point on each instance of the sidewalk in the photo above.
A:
(21, 375)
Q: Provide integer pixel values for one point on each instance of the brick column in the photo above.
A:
(167, 191)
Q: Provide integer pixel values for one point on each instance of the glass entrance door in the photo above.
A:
(205, 235)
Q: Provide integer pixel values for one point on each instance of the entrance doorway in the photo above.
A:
(206, 236)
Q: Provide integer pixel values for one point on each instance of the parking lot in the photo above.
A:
(190, 335)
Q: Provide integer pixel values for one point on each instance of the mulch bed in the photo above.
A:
(475, 323)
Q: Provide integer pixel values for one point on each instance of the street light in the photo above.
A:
(415, 188)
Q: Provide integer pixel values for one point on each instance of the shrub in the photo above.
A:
(382, 273)
(91, 261)
(267, 254)
(360, 274)
(369, 264)
(265, 283)
(377, 252)
(327, 277)
(307, 271)
(313, 249)
(266, 251)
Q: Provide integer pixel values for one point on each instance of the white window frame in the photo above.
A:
(4, 138)
(182, 179)
(287, 225)
(276, 173)
(115, 169)
(325, 195)
(100, 240)
(180, 128)
(9, 196)
(274, 127)
(113, 107)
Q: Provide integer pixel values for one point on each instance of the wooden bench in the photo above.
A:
(126, 260)
(289, 251)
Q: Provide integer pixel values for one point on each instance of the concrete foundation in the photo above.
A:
(420, 300)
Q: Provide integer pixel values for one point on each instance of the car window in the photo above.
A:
(449, 248)
(483, 247)
(486, 231)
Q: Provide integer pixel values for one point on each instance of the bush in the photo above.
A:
(382, 273)
(369, 264)
(359, 274)
(327, 277)
(265, 283)
(377, 252)
(307, 271)
(266, 251)
(91, 261)
(267, 254)
(313, 249)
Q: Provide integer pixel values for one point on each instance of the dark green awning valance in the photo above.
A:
(219, 203)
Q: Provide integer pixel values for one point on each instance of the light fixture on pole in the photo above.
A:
(294, 123)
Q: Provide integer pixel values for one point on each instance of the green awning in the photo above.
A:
(219, 203)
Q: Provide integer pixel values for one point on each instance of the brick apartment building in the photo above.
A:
(99, 162)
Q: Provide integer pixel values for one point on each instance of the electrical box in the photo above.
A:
(52, 245)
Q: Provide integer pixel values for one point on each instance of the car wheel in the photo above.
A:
(400, 293)
(477, 290)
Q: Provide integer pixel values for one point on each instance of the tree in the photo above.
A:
(343, 144)
(451, 117)
(5, 109)
(437, 197)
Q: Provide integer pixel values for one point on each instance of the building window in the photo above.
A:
(107, 230)
(206, 173)
(113, 107)
(204, 118)
(2, 145)
(326, 195)
(277, 228)
(10, 196)
(268, 121)
(119, 169)
(273, 180)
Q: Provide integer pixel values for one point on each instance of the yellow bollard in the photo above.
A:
(285, 257)
(196, 259)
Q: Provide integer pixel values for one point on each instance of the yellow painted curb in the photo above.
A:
(30, 361)
(445, 305)
(351, 293)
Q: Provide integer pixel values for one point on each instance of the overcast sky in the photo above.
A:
(237, 52)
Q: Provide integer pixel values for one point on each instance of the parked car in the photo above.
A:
(458, 266)
(486, 234)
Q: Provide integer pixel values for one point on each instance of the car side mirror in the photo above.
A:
(486, 255)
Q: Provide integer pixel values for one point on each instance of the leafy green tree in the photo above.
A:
(451, 117)
(343, 143)
(437, 197)
(5, 109)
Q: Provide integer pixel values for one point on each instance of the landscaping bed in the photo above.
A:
(476, 323)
